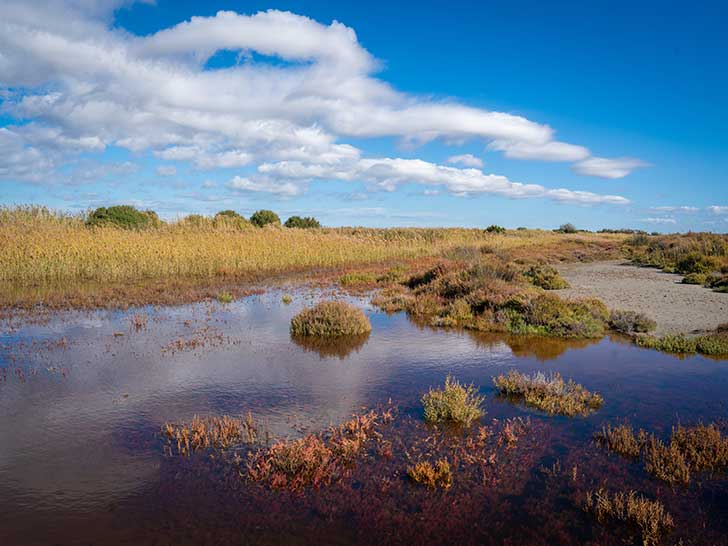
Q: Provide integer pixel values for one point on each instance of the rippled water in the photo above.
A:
(83, 397)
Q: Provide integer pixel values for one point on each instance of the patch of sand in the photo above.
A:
(674, 306)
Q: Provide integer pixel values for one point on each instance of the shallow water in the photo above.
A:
(83, 397)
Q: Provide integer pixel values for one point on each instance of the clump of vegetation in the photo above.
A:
(264, 217)
(431, 476)
(287, 299)
(330, 318)
(357, 279)
(454, 403)
(631, 322)
(491, 295)
(567, 228)
(123, 216)
(712, 344)
(230, 219)
(306, 222)
(666, 462)
(211, 433)
(316, 459)
(701, 257)
(225, 297)
(138, 322)
(551, 394)
(649, 517)
(495, 229)
(622, 439)
(546, 277)
(690, 449)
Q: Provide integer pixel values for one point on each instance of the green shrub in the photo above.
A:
(306, 222)
(567, 228)
(264, 217)
(123, 216)
(433, 476)
(546, 277)
(631, 322)
(695, 262)
(330, 318)
(454, 403)
(586, 317)
(695, 278)
(714, 345)
(225, 297)
(670, 343)
(495, 229)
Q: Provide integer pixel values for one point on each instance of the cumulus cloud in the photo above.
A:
(87, 86)
(659, 220)
(603, 167)
(467, 160)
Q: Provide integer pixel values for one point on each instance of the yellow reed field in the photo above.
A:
(39, 246)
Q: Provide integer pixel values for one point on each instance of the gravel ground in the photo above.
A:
(674, 306)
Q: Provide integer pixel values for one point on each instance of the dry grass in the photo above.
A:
(649, 517)
(432, 476)
(40, 247)
(454, 403)
(330, 319)
(690, 449)
(551, 394)
(210, 433)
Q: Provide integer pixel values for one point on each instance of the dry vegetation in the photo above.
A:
(649, 517)
(432, 476)
(690, 449)
(210, 433)
(551, 394)
(43, 252)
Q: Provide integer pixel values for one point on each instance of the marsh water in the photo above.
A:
(83, 396)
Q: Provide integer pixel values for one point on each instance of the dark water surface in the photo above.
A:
(83, 397)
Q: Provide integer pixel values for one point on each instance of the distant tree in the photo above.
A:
(302, 222)
(264, 217)
(229, 213)
(495, 229)
(567, 228)
(123, 216)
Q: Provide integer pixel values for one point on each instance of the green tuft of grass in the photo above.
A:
(287, 299)
(330, 318)
(549, 393)
(225, 297)
(357, 279)
(670, 343)
(454, 403)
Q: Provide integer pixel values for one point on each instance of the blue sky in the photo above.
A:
(604, 114)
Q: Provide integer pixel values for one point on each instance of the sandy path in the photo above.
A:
(675, 307)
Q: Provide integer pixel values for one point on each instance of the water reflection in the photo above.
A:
(326, 347)
(81, 445)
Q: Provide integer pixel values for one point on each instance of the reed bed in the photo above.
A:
(41, 246)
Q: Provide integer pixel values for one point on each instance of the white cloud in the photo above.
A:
(718, 209)
(681, 208)
(659, 220)
(166, 170)
(287, 189)
(545, 151)
(88, 86)
(467, 160)
(603, 167)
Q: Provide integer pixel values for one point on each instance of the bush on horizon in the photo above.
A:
(123, 216)
(306, 222)
(264, 217)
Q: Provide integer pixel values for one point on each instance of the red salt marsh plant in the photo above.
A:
(316, 460)
(211, 433)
